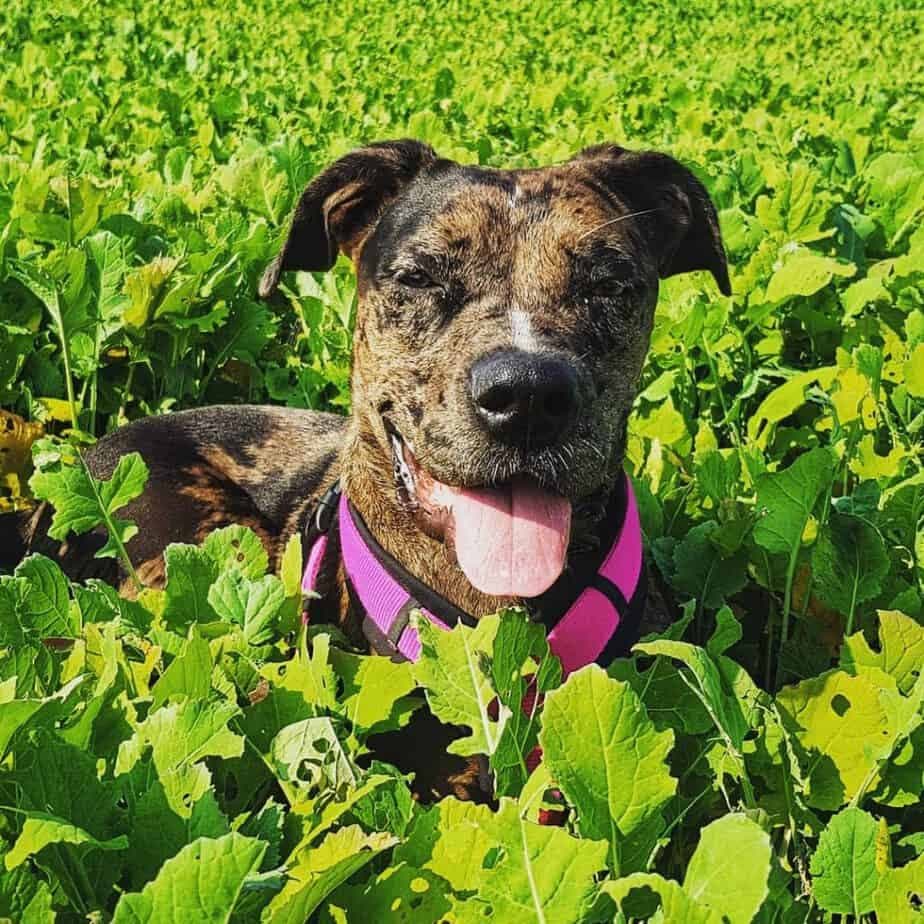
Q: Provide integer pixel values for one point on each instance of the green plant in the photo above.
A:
(151, 155)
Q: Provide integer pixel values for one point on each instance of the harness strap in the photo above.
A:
(598, 626)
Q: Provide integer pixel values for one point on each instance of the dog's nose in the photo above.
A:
(522, 398)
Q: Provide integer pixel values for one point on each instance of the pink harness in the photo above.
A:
(597, 626)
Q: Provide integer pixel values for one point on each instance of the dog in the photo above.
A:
(502, 324)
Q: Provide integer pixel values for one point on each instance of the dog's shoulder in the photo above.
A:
(278, 456)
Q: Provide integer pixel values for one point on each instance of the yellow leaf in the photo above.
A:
(914, 372)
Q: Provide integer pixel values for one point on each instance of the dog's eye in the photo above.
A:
(415, 279)
(611, 280)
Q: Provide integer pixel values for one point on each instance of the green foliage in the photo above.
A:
(136, 760)
(735, 768)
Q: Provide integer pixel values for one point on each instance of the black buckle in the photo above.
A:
(323, 515)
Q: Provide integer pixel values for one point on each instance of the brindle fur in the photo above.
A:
(564, 258)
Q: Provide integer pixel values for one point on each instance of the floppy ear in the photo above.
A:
(339, 207)
(676, 213)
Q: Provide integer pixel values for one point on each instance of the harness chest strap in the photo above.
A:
(583, 634)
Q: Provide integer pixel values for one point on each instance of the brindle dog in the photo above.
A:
(503, 320)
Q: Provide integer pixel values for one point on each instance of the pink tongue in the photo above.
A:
(509, 542)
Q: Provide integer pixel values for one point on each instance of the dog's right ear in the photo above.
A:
(339, 207)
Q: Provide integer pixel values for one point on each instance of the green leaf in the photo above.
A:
(668, 699)
(18, 714)
(309, 753)
(899, 894)
(727, 632)
(900, 654)
(189, 674)
(158, 833)
(83, 502)
(805, 273)
(400, 893)
(40, 830)
(722, 686)
(844, 875)
(522, 662)
(180, 736)
(190, 574)
(842, 728)
(24, 898)
(372, 687)
(238, 548)
(42, 605)
(253, 605)
(201, 883)
(675, 904)
(607, 757)
(787, 499)
(533, 873)
(702, 571)
(729, 871)
(849, 562)
(450, 839)
(454, 670)
(316, 871)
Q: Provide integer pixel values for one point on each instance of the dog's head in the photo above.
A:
(503, 320)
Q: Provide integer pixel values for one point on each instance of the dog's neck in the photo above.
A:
(367, 479)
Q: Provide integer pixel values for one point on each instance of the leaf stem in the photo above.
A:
(111, 528)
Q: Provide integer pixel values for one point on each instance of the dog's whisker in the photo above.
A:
(614, 221)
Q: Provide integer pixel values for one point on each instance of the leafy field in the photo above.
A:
(191, 755)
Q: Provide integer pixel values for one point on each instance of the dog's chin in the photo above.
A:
(510, 538)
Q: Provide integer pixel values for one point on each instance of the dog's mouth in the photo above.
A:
(510, 539)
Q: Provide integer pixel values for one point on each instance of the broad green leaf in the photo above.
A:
(668, 699)
(843, 867)
(674, 903)
(41, 830)
(899, 894)
(309, 754)
(190, 574)
(842, 728)
(24, 898)
(83, 502)
(703, 571)
(784, 400)
(34, 604)
(251, 604)
(201, 883)
(106, 253)
(523, 670)
(730, 868)
(727, 632)
(786, 500)
(158, 833)
(237, 548)
(180, 736)
(17, 714)
(317, 871)
(450, 839)
(189, 674)
(371, 688)
(454, 670)
(607, 757)
(900, 654)
(805, 273)
(849, 562)
(723, 687)
(533, 873)
(400, 893)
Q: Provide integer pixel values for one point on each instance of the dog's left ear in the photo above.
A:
(673, 208)
(341, 205)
